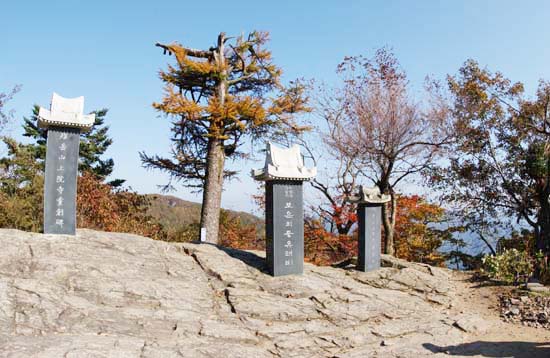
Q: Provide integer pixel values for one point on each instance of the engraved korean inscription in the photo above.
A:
(60, 181)
(284, 173)
(370, 222)
(285, 227)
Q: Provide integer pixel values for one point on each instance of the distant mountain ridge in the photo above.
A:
(175, 213)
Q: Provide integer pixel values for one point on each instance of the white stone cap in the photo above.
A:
(65, 112)
(285, 164)
(369, 196)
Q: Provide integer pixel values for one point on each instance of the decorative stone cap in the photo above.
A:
(369, 196)
(284, 163)
(65, 112)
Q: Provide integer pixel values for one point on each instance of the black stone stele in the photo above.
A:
(284, 174)
(370, 221)
(369, 213)
(284, 217)
(60, 182)
(64, 123)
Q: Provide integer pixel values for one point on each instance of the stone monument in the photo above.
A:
(63, 122)
(283, 173)
(369, 213)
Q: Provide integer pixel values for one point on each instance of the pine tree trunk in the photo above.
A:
(388, 221)
(212, 193)
(213, 186)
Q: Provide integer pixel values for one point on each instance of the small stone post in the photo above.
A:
(64, 122)
(284, 173)
(369, 213)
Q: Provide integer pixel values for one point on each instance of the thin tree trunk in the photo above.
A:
(487, 243)
(212, 193)
(388, 221)
(213, 186)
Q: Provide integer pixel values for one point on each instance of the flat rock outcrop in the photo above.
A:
(119, 295)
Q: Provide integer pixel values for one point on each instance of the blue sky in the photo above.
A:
(104, 50)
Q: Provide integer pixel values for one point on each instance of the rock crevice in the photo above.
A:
(109, 294)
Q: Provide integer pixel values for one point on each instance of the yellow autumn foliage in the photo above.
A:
(252, 109)
(174, 103)
(204, 67)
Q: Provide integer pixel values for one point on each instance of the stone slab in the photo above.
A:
(285, 227)
(60, 181)
(370, 221)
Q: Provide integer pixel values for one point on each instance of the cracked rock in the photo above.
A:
(118, 295)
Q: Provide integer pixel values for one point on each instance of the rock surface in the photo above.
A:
(119, 295)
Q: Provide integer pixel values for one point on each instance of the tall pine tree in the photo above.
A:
(216, 98)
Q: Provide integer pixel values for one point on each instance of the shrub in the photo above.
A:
(417, 237)
(184, 233)
(522, 241)
(510, 266)
(325, 248)
(21, 189)
(237, 234)
(102, 207)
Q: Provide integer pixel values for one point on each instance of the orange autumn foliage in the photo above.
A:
(343, 214)
(416, 236)
(237, 234)
(324, 248)
(101, 207)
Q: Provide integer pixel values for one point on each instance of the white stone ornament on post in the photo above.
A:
(283, 173)
(369, 213)
(64, 122)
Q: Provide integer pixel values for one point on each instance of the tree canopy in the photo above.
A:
(216, 98)
(498, 170)
(376, 127)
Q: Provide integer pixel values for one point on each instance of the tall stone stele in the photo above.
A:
(369, 213)
(284, 173)
(64, 122)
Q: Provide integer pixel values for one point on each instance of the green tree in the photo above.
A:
(21, 188)
(93, 145)
(216, 98)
